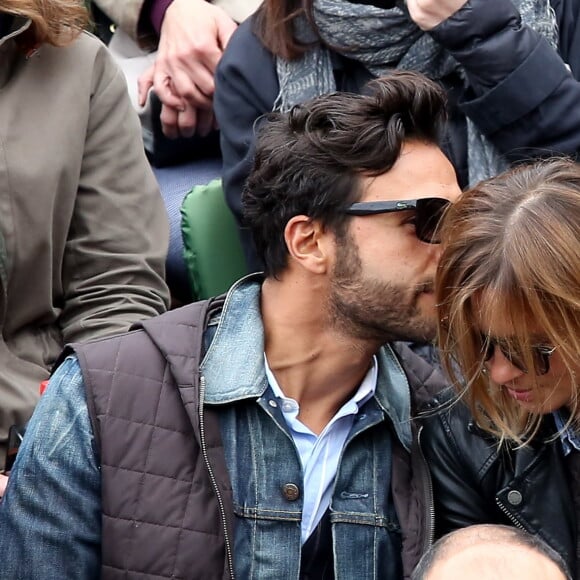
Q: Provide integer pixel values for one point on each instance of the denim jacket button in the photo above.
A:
(514, 497)
(291, 491)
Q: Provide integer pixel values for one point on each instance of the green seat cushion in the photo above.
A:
(211, 244)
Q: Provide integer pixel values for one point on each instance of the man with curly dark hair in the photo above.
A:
(287, 451)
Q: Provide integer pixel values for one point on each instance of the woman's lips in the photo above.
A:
(525, 396)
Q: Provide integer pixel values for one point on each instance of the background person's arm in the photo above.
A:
(114, 258)
(521, 93)
(51, 513)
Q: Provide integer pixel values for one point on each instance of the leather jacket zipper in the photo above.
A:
(511, 518)
(214, 484)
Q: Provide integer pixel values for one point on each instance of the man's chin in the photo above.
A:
(427, 307)
(423, 329)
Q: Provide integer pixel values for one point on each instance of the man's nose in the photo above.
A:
(501, 370)
(436, 250)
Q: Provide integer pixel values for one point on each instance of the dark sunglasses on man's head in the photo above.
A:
(540, 354)
(428, 213)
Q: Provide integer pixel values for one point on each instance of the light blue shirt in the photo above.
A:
(320, 454)
(569, 438)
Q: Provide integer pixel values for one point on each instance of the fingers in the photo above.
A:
(169, 118)
(205, 122)
(428, 14)
(178, 123)
(192, 40)
(225, 28)
(163, 85)
(144, 84)
(193, 37)
(198, 93)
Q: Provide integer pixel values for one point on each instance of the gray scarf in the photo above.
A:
(385, 39)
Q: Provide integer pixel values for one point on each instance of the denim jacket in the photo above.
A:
(52, 506)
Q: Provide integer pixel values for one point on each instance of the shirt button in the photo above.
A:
(291, 491)
(287, 406)
(272, 403)
(514, 497)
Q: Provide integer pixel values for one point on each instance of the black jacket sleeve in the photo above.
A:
(520, 92)
(243, 94)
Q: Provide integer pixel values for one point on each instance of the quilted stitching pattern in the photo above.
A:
(160, 515)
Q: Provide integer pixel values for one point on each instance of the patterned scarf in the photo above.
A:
(384, 39)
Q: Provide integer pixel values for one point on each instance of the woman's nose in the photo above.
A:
(501, 370)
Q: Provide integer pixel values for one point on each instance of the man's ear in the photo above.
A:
(309, 244)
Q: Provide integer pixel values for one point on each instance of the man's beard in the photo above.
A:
(372, 309)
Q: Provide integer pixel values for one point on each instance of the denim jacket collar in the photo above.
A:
(239, 340)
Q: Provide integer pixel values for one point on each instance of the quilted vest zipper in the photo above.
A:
(428, 497)
(228, 544)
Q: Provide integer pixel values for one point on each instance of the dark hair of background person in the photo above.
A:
(511, 253)
(274, 26)
(308, 161)
(56, 22)
(446, 547)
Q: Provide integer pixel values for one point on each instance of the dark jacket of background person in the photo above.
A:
(83, 231)
(520, 93)
(474, 482)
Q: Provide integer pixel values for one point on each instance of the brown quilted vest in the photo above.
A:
(162, 517)
(161, 514)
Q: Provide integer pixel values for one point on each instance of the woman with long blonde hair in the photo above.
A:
(83, 231)
(508, 288)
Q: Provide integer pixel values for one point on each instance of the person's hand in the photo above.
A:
(193, 37)
(3, 483)
(427, 14)
(182, 120)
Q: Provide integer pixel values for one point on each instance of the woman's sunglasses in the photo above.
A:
(540, 354)
(428, 213)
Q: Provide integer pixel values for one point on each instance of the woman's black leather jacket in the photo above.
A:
(475, 481)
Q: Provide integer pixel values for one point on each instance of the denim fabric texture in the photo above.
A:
(262, 458)
(53, 498)
(320, 454)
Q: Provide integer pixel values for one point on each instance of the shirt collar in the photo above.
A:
(364, 392)
(239, 339)
(569, 437)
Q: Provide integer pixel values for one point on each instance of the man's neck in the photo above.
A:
(313, 363)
